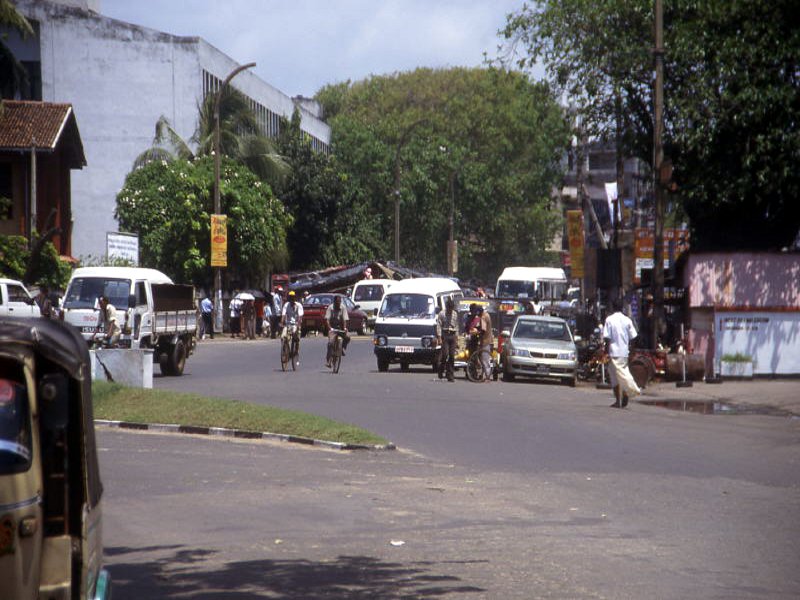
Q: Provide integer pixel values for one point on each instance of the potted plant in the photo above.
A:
(736, 365)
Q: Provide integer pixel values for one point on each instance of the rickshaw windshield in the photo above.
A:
(411, 306)
(15, 428)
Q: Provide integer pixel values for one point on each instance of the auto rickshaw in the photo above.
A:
(50, 489)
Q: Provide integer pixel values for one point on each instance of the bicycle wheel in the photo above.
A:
(284, 353)
(295, 354)
(474, 368)
(336, 359)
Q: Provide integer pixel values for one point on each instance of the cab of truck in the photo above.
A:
(129, 289)
(16, 300)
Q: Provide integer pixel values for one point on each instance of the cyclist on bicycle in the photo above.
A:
(291, 316)
(336, 319)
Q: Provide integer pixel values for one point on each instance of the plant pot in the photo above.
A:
(738, 369)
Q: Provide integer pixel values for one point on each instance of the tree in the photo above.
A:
(731, 95)
(486, 140)
(328, 226)
(168, 203)
(42, 267)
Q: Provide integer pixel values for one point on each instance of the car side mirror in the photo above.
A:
(356, 307)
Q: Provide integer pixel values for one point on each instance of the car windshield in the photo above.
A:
(84, 291)
(369, 293)
(319, 300)
(411, 306)
(15, 427)
(542, 330)
(508, 288)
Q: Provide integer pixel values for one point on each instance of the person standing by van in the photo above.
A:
(108, 321)
(447, 332)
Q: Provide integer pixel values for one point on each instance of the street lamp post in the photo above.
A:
(217, 207)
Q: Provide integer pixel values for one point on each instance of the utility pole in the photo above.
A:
(657, 282)
(217, 204)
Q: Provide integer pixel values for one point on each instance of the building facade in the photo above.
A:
(120, 79)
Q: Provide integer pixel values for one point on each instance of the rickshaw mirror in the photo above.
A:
(54, 395)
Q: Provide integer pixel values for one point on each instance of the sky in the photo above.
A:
(301, 45)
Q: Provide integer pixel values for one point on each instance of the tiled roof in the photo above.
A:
(24, 124)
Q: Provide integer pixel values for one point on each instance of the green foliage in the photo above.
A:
(169, 203)
(731, 108)
(47, 269)
(487, 141)
(329, 226)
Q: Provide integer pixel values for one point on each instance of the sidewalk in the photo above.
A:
(782, 394)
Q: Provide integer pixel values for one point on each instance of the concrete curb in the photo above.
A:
(241, 434)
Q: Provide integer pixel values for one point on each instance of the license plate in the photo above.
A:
(404, 349)
(543, 369)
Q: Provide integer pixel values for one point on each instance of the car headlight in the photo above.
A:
(566, 356)
(380, 340)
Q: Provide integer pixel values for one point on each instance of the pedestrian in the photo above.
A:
(277, 305)
(486, 341)
(235, 309)
(42, 300)
(447, 334)
(207, 315)
(108, 321)
(249, 319)
(266, 324)
(618, 332)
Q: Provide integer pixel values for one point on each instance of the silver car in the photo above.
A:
(540, 347)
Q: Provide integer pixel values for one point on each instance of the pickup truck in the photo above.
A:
(153, 312)
(15, 300)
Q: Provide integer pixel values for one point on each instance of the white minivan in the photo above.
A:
(405, 328)
(368, 294)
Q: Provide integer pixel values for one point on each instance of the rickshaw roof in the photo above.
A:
(56, 341)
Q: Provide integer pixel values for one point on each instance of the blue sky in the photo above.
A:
(301, 45)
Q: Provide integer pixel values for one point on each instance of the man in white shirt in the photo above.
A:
(108, 321)
(618, 332)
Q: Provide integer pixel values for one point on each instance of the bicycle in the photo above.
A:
(336, 351)
(290, 348)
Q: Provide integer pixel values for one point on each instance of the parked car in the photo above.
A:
(314, 307)
(541, 347)
(15, 300)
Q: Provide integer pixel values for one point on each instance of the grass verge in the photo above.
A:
(115, 402)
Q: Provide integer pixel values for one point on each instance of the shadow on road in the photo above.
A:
(186, 574)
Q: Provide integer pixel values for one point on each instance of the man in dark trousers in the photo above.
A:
(447, 332)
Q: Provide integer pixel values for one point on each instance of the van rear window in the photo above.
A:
(371, 292)
(84, 291)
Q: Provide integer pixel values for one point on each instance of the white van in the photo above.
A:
(368, 294)
(405, 328)
(548, 283)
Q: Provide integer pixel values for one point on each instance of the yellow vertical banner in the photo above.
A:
(219, 240)
(575, 237)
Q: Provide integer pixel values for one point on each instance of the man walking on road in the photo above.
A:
(447, 332)
(618, 332)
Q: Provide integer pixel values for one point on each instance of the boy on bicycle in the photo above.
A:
(336, 318)
(291, 316)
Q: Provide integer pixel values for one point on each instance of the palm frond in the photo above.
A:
(167, 136)
(10, 16)
(154, 153)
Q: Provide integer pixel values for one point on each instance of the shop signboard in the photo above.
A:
(771, 339)
(676, 241)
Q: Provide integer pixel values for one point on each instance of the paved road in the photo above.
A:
(517, 490)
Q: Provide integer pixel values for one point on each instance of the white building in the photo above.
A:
(120, 78)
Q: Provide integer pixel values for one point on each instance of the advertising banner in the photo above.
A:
(123, 245)
(219, 240)
(770, 339)
(676, 241)
(575, 237)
